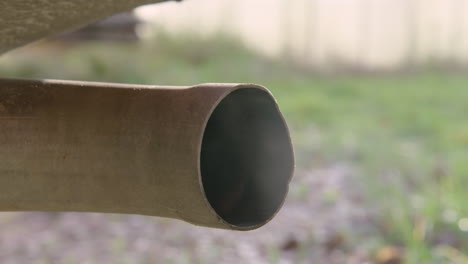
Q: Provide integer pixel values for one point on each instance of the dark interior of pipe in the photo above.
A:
(246, 158)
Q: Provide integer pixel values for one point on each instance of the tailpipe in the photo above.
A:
(216, 155)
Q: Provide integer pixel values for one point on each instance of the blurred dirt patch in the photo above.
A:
(321, 222)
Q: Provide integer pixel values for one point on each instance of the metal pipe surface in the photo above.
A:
(216, 155)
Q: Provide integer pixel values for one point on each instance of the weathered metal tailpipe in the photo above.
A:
(216, 155)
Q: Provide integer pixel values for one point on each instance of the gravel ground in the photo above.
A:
(321, 222)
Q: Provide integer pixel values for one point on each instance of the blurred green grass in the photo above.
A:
(406, 134)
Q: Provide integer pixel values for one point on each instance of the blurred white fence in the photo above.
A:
(370, 33)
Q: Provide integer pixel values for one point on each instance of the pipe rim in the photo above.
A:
(245, 213)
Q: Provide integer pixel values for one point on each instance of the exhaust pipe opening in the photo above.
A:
(246, 158)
